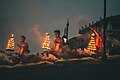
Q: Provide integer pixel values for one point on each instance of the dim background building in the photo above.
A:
(113, 34)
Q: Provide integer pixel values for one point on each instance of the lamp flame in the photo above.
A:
(46, 43)
(92, 44)
(10, 44)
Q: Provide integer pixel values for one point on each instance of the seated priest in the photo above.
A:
(22, 47)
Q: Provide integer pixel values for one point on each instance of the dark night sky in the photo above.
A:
(33, 18)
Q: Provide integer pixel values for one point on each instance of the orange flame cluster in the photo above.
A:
(46, 43)
(10, 45)
(92, 44)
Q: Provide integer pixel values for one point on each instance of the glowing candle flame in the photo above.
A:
(92, 45)
(46, 43)
(10, 45)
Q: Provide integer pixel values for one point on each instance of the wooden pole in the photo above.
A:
(104, 57)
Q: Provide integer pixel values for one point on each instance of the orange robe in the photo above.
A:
(22, 47)
(57, 44)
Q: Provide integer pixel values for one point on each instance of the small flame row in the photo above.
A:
(11, 43)
(46, 43)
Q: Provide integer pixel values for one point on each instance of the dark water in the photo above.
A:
(74, 70)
